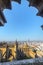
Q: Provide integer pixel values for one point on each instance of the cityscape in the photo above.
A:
(21, 32)
(22, 50)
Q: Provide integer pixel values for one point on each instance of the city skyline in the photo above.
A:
(22, 23)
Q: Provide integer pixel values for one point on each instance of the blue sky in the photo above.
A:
(22, 23)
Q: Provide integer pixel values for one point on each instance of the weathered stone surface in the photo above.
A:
(37, 4)
(1, 23)
(42, 27)
(2, 16)
(19, 1)
(2, 19)
(6, 4)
